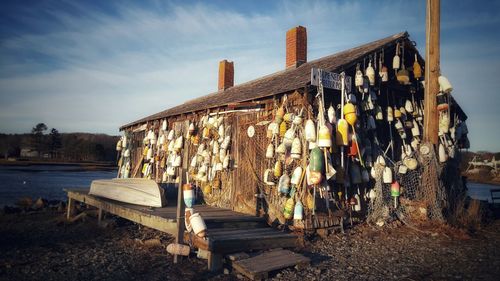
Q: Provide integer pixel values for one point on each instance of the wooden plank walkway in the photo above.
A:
(227, 231)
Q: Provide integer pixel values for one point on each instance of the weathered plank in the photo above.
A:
(259, 266)
(155, 222)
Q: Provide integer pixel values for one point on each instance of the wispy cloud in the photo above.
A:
(80, 67)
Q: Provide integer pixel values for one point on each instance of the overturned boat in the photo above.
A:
(137, 191)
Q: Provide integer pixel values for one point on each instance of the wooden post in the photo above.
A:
(99, 216)
(71, 208)
(432, 70)
(179, 238)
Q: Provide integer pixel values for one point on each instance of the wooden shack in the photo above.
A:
(250, 148)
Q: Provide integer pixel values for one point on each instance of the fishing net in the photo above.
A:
(430, 192)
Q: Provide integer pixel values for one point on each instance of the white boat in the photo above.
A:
(137, 191)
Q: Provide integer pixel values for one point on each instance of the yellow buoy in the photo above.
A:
(417, 69)
(342, 137)
(350, 114)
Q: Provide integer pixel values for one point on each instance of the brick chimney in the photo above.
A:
(296, 46)
(226, 75)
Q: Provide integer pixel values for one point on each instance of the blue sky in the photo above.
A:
(91, 66)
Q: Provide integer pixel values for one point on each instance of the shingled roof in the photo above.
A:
(276, 83)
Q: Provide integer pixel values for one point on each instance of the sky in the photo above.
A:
(92, 66)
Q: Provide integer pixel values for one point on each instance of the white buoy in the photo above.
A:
(310, 131)
(387, 175)
(198, 224)
(445, 85)
(270, 151)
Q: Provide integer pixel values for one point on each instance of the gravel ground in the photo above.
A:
(43, 246)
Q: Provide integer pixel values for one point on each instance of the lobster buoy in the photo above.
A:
(198, 225)
(281, 149)
(331, 115)
(283, 129)
(296, 148)
(396, 61)
(415, 131)
(188, 194)
(357, 206)
(316, 160)
(384, 74)
(342, 137)
(350, 114)
(288, 137)
(119, 145)
(408, 106)
(178, 249)
(395, 189)
(387, 175)
(191, 129)
(395, 192)
(284, 184)
(298, 211)
(358, 78)
(370, 73)
(310, 131)
(296, 176)
(170, 135)
(417, 69)
(270, 151)
(324, 137)
(390, 116)
(288, 210)
(278, 169)
(445, 85)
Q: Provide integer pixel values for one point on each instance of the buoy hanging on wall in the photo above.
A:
(370, 73)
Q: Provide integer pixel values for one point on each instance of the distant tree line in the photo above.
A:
(42, 143)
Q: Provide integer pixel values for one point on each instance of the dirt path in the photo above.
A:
(42, 246)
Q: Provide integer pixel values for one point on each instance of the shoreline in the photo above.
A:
(76, 166)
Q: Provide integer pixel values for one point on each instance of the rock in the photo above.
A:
(226, 271)
(239, 276)
(11, 210)
(39, 204)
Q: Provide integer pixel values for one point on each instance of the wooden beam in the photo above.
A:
(155, 222)
(179, 238)
(432, 70)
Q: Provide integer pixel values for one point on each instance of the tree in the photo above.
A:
(55, 142)
(39, 129)
(38, 140)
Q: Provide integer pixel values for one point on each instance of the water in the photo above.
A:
(44, 181)
(481, 191)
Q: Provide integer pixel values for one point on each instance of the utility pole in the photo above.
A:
(432, 71)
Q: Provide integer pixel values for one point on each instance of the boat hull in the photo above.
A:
(144, 192)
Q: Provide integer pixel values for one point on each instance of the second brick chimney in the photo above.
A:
(226, 75)
(296, 46)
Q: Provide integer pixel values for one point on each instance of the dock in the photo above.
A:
(227, 231)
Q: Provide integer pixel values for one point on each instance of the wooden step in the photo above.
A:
(230, 240)
(258, 267)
